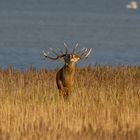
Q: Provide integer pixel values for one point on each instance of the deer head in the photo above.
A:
(69, 57)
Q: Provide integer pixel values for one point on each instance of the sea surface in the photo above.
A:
(29, 26)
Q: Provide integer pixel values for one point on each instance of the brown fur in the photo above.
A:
(65, 76)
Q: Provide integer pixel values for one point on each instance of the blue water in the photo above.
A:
(29, 26)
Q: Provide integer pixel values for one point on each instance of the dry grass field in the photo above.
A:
(104, 105)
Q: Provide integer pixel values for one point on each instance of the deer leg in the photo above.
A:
(60, 88)
(60, 93)
(65, 95)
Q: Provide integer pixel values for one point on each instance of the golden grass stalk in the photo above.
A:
(105, 104)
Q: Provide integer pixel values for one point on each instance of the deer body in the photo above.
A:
(65, 76)
(65, 79)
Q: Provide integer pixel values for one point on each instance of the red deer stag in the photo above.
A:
(65, 76)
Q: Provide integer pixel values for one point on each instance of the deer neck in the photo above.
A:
(70, 67)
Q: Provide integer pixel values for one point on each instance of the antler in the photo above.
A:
(66, 46)
(53, 58)
(59, 56)
(77, 45)
(84, 53)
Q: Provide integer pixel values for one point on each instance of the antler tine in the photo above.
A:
(85, 53)
(77, 45)
(53, 52)
(45, 54)
(88, 52)
(65, 45)
(82, 55)
(60, 51)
